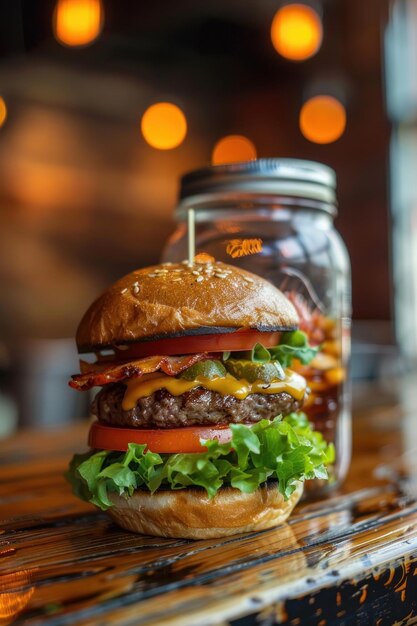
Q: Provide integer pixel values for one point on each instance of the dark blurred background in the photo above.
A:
(85, 198)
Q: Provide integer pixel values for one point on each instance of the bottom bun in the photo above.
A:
(189, 514)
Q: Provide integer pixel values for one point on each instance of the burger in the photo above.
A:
(198, 430)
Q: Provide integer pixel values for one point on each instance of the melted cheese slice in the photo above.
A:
(294, 385)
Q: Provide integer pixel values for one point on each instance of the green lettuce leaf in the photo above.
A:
(293, 345)
(287, 450)
(259, 354)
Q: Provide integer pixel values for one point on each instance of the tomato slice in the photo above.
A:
(170, 440)
(191, 344)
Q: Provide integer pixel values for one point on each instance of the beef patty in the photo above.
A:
(197, 407)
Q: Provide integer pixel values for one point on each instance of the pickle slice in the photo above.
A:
(206, 369)
(250, 371)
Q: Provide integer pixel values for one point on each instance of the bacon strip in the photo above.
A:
(99, 374)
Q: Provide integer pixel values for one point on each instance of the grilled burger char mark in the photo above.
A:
(197, 407)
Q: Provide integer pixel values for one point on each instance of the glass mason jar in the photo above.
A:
(274, 217)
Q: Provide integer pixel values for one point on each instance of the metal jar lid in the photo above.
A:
(292, 178)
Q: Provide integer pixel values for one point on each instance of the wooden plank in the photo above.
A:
(63, 562)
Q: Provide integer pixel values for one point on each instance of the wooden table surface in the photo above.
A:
(347, 559)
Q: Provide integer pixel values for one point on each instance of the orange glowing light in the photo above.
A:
(322, 119)
(233, 148)
(164, 126)
(78, 22)
(3, 111)
(237, 248)
(296, 32)
(15, 593)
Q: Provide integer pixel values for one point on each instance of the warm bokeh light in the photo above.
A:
(233, 148)
(78, 22)
(15, 593)
(3, 111)
(322, 119)
(296, 32)
(237, 248)
(164, 126)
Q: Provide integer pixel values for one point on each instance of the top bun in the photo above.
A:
(175, 299)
